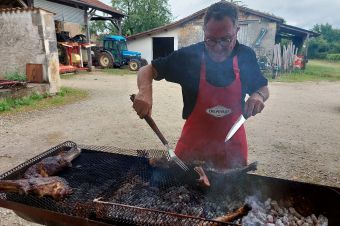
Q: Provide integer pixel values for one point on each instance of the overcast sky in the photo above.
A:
(301, 13)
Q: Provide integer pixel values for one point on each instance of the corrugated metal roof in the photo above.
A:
(62, 12)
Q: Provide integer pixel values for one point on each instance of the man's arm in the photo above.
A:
(255, 102)
(143, 100)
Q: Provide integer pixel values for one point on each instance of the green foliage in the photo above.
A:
(119, 71)
(38, 101)
(316, 70)
(327, 43)
(143, 15)
(9, 103)
(333, 57)
(99, 28)
(15, 76)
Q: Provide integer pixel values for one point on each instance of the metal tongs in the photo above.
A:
(171, 154)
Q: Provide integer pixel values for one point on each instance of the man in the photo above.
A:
(215, 75)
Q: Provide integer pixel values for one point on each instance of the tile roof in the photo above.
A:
(101, 6)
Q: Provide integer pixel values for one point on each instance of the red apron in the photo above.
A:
(204, 132)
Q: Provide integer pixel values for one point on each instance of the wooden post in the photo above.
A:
(119, 27)
(30, 3)
(87, 29)
(306, 52)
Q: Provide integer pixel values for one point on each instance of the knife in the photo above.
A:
(239, 122)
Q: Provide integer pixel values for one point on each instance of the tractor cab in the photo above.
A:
(115, 53)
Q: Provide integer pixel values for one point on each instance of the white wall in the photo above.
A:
(144, 45)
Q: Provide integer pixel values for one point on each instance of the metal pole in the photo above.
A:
(87, 28)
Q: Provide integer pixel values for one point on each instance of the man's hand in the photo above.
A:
(255, 102)
(143, 104)
(254, 105)
(143, 100)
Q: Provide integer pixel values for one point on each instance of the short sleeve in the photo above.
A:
(251, 75)
(169, 68)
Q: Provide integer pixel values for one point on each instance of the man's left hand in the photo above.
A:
(254, 105)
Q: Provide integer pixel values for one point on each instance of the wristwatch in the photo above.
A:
(261, 94)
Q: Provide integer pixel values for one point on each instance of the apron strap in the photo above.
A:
(236, 67)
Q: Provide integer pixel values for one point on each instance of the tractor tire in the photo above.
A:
(143, 62)
(134, 65)
(105, 60)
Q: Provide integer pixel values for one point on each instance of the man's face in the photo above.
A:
(220, 36)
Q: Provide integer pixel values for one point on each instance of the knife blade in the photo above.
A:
(239, 122)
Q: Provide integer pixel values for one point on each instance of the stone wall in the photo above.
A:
(191, 33)
(28, 36)
(250, 28)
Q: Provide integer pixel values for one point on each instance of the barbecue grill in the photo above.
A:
(100, 172)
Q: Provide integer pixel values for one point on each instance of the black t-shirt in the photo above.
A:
(183, 67)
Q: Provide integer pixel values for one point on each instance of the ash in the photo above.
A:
(183, 199)
(189, 200)
(271, 213)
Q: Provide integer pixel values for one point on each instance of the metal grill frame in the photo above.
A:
(328, 204)
(19, 170)
(124, 213)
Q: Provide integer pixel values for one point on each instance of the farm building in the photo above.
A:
(31, 31)
(259, 30)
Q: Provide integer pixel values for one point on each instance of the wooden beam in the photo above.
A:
(91, 14)
(87, 29)
(23, 3)
(30, 3)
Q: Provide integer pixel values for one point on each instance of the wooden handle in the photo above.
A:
(152, 124)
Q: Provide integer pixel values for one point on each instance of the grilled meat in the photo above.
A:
(237, 214)
(51, 165)
(56, 187)
(203, 180)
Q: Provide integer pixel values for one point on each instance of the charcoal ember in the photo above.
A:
(295, 213)
(270, 219)
(299, 222)
(322, 220)
(279, 215)
(279, 223)
(314, 219)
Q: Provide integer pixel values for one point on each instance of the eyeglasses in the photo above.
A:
(224, 42)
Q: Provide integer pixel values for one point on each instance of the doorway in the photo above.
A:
(162, 46)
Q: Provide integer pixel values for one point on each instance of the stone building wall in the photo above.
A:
(28, 36)
(250, 28)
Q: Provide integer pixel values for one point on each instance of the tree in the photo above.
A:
(143, 15)
(327, 43)
(100, 28)
(237, 2)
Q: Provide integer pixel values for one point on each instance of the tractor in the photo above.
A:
(114, 53)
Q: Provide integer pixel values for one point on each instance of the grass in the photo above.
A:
(119, 71)
(316, 70)
(38, 101)
(15, 76)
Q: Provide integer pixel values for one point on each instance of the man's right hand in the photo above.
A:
(143, 100)
(143, 104)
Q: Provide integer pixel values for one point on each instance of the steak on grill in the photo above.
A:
(56, 187)
(51, 165)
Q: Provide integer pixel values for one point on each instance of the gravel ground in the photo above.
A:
(297, 136)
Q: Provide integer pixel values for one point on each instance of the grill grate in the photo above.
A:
(98, 174)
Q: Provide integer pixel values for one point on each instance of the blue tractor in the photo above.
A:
(114, 53)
